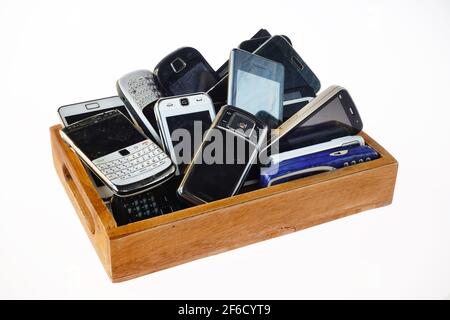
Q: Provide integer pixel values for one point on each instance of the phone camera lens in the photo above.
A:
(184, 101)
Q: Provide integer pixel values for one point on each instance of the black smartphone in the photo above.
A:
(185, 71)
(225, 157)
(331, 115)
(298, 76)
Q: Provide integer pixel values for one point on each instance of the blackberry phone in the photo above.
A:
(255, 84)
(148, 204)
(118, 153)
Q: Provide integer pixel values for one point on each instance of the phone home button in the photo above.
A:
(124, 152)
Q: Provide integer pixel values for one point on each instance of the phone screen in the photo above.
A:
(195, 125)
(98, 139)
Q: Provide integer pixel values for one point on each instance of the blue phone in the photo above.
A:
(302, 166)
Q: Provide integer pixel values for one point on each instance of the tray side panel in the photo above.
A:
(84, 198)
(251, 221)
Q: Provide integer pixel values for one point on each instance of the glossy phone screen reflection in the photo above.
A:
(337, 118)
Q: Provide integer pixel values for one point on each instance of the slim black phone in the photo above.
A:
(262, 33)
(185, 71)
(298, 75)
(331, 115)
(223, 160)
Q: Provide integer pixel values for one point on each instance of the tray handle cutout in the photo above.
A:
(89, 220)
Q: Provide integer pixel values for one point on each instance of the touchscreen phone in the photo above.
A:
(72, 113)
(255, 85)
(182, 122)
(332, 114)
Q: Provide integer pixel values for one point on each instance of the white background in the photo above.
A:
(393, 56)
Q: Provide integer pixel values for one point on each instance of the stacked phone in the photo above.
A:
(186, 134)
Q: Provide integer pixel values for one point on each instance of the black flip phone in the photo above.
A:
(225, 157)
(185, 71)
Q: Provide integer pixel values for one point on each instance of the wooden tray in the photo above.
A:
(150, 245)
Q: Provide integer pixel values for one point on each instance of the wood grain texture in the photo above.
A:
(154, 244)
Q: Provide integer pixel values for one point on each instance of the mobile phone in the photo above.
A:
(118, 153)
(185, 71)
(299, 79)
(309, 164)
(182, 121)
(139, 89)
(72, 113)
(261, 34)
(253, 44)
(224, 158)
(255, 84)
(332, 114)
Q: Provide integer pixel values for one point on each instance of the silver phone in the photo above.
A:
(182, 121)
(139, 89)
(118, 153)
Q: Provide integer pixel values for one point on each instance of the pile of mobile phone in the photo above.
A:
(187, 134)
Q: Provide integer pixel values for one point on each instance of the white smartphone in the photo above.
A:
(182, 122)
(72, 113)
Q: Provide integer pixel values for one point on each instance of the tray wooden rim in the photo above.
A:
(94, 203)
